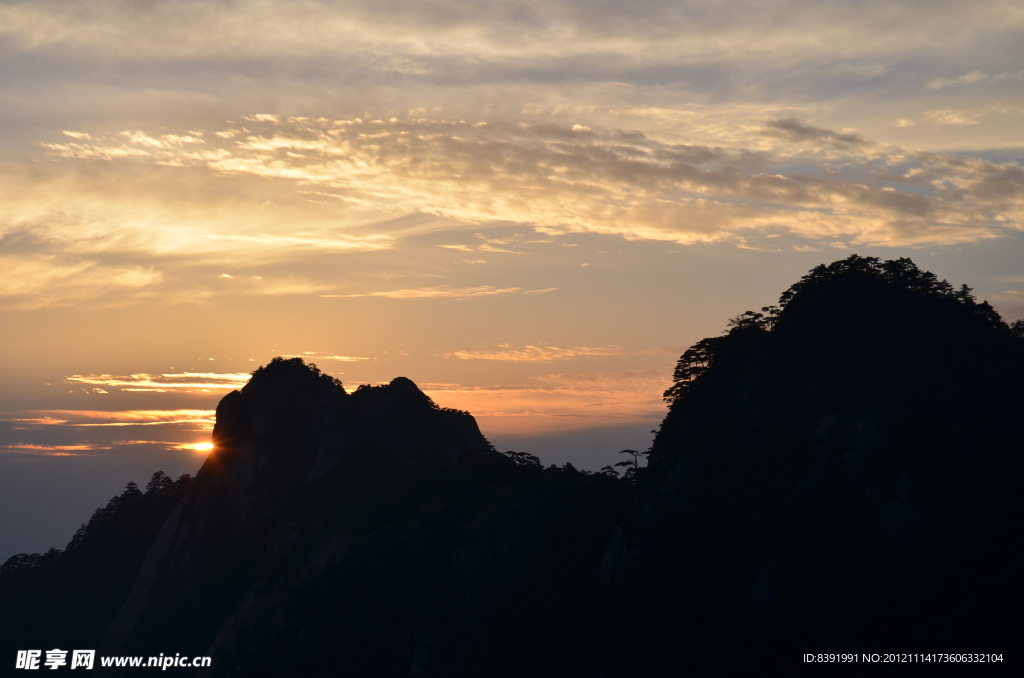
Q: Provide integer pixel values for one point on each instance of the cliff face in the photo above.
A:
(298, 469)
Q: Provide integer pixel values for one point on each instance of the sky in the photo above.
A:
(528, 208)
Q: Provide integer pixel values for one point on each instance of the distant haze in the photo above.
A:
(529, 209)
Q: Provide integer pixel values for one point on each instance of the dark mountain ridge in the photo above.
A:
(837, 473)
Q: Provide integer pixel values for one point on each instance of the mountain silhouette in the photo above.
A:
(838, 473)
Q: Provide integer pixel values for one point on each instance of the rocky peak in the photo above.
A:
(291, 426)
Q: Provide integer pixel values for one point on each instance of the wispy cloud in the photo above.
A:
(968, 79)
(68, 433)
(51, 450)
(539, 354)
(448, 292)
(795, 130)
(90, 449)
(187, 382)
(498, 245)
(328, 357)
(277, 286)
(951, 117)
(38, 421)
(545, 354)
(559, 179)
(418, 38)
(332, 242)
(33, 281)
(196, 419)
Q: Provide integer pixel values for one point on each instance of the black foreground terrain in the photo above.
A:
(840, 473)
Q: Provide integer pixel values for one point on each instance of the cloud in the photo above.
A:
(316, 355)
(155, 203)
(51, 450)
(447, 292)
(498, 244)
(797, 131)
(200, 137)
(279, 286)
(545, 354)
(334, 242)
(86, 432)
(33, 281)
(539, 354)
(560, 180)
(414, 38)
(87, 418)
(193, 447)
(39, 421)
(951, 117)
(183, 382)
(968, 79)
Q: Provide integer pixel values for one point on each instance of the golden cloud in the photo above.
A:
(544, 353)
(184, 382)
(448, 292)
(51, 450)
(321, 356)
(333, 242)
(538, 354)
(203, 419)
(559, 179)
(37, 281)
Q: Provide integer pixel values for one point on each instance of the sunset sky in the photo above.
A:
(528, 208)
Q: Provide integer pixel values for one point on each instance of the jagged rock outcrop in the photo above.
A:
(329, 533)
(262, 524)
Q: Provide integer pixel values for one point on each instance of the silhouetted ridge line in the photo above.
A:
(835, 473)
(820, 469)
(833, 282)
(67, 598)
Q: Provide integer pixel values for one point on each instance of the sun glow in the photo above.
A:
(198, 447)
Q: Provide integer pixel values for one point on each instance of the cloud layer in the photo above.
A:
(211, 133)
(247, 175)
(785, 176)
(185, 382)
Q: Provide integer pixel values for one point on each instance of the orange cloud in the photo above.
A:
(199, 419)
(447, 292)
(314, 355)
(538, 354)
(560, 179)
(186, 382)
(545, 354)
(51, 450)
